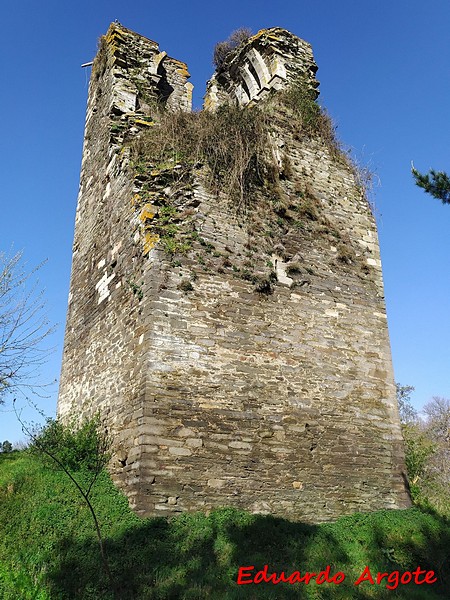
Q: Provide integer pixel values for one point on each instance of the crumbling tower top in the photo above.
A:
(142, 73)
(267, 61)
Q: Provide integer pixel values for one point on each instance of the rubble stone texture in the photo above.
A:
(278, 401)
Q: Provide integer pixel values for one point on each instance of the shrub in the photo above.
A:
(6, 446)
(293, 268)
(185, 286)
(418, 451)
(77, 448)
(300, 98)
(264, 285)
(223, 49)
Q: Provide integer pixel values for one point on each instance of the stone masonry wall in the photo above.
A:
(250, 367)
(103, 350)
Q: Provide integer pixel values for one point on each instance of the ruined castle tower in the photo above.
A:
(231, 332)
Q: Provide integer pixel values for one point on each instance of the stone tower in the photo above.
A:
(235, 345)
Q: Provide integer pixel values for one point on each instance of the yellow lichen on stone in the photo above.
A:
(112, 48)
(181, 67)
(114, 34)
(146, 123)
(260, 33)
(183, 71)
(264, 32)
(150, 241)
(148, 212)
(209, 103)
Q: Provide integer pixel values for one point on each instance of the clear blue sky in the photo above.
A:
(384, 69)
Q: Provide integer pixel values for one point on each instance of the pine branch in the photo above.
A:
(435, 183)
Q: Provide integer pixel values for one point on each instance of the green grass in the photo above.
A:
(48, 548)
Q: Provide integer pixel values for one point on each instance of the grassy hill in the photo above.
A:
(48, 548)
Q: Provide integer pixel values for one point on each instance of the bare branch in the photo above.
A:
(24, 327)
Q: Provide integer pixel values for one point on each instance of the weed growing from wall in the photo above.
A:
(231, 143)
(308, 117)
(223, 49)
